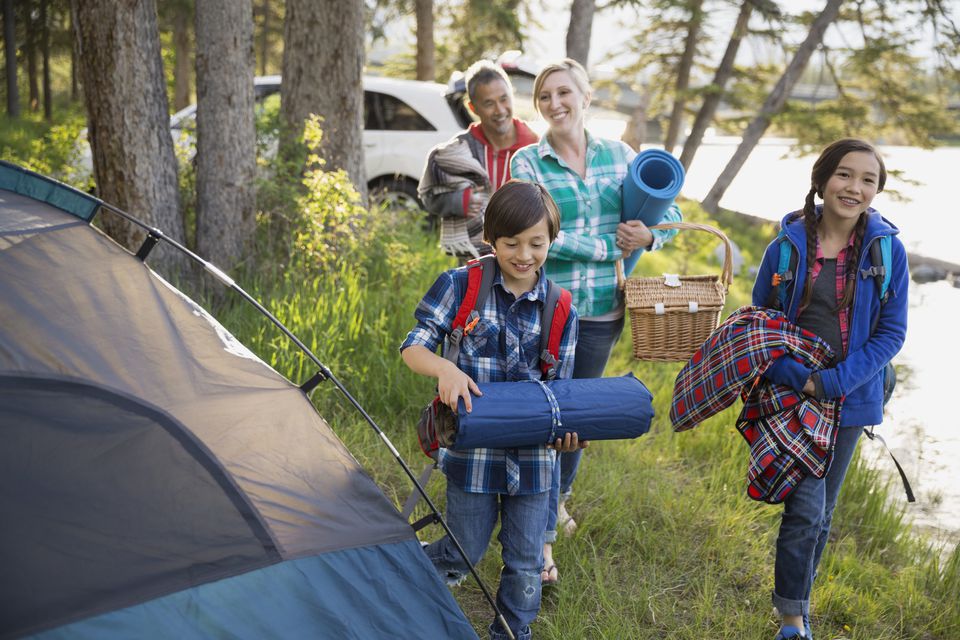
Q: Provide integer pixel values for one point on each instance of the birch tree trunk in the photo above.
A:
(773, 104)
(715, 92)
(118, 52)
(226, 139)
(580, 29)
(323, 74)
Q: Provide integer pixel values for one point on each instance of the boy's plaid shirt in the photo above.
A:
(789, 433)
(583, 257)
(504, 346)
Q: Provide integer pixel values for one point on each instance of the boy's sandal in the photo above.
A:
(549, 576)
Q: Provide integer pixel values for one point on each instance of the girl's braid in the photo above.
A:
(853, 260)
(810, 227)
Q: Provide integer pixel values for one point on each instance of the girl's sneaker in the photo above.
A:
(789, 632)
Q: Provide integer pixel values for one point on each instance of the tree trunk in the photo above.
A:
(74, 81)
(425, 46)
(10, 58)
(636, 132)
(773, 104)
(322, 74)
(579, 30)
(30, 53)
(265, 37)
(181, 65)
(118, 49)
(45, 57)
(226, 141)
(683, 75)
(715, 91)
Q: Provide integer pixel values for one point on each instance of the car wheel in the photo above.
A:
(394, 192)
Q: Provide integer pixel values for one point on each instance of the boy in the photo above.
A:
(521, 222)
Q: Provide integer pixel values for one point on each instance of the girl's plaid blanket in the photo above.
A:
(790, 434)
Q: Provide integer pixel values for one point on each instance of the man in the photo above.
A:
(462, 173)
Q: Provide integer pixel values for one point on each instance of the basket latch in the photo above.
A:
(671, 279)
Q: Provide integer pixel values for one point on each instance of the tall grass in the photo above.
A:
(668, 546)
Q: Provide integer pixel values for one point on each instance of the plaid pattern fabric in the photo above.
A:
(503, 346)
(583, 257)
(789, 434)
(841, 281)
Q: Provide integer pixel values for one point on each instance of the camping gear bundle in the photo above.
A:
(157, 478)
(671, 315)
(532, 412)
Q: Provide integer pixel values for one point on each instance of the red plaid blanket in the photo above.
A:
(789, 434)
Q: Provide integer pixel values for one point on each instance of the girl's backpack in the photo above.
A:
(880, 271)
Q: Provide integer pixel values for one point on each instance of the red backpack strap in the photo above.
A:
(480, 275)
(556, 311)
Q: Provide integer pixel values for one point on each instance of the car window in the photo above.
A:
(386, 112)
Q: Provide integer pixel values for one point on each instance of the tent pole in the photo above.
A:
(324, 371)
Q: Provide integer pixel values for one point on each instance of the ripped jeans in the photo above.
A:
(472, 518)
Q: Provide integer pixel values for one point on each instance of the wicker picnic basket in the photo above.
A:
(671, 315)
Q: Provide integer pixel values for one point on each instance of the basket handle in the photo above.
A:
(727, 273)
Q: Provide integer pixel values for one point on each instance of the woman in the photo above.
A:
(585, 176)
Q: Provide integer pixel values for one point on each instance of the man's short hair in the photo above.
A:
(515, 207)
(484, 72)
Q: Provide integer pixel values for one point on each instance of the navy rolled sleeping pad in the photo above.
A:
(653, 182)
(521, 414)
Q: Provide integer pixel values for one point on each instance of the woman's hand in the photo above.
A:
(809, 387)
(633, 235)
(569, 443)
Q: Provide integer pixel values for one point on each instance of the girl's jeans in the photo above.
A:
(472, 518)
(594, 345)
(807, 514)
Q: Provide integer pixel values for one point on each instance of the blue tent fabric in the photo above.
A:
(521, 414)
(653, 182)
(302, 598)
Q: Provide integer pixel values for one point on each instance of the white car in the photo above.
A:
(403, 120)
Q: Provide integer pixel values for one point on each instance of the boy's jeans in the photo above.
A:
(472, 518)
(594, 345)
(807, 514)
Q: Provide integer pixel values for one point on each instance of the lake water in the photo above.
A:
(922, 426)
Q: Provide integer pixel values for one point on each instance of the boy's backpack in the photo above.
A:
(880, 270)
(480, 276)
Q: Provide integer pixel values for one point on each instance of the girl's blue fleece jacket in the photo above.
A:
(859, 376)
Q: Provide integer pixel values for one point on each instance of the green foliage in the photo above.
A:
(668, 544)
(48, 148)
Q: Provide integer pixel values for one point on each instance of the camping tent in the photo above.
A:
(157, 479)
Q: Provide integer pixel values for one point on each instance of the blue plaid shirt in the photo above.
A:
(503, 347)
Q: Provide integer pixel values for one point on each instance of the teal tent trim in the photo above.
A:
(27, 183)
(351, 594)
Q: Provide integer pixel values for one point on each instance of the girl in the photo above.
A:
(833, 295)
(585, 176)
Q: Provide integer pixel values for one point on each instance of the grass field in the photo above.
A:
(668, 544)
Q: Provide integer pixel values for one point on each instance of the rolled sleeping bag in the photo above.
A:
(529, 413)
(653, 182)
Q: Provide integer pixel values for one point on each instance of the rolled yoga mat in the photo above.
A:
(521, 414)
(653, 182)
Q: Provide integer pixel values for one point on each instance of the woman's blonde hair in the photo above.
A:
(579, 75)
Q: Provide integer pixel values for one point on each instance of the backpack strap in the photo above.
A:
(880, 270)
(556, 310)
(784, 273)
(480, 275)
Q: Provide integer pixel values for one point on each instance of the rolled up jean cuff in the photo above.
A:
(788, 607)
(550, 537)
